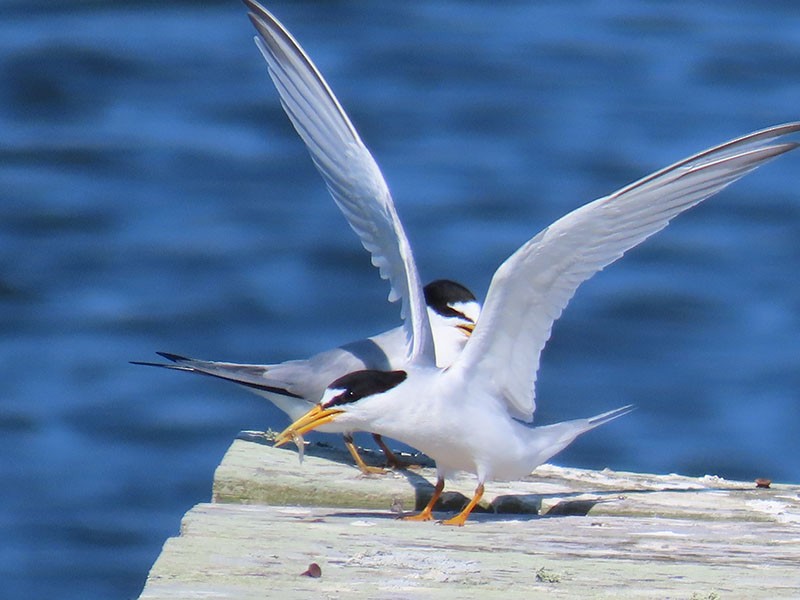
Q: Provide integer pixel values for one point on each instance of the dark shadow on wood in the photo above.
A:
(372, 457)
(452, 501)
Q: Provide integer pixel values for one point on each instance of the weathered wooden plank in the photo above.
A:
(253, 551)
(254, 472)
(641, 536)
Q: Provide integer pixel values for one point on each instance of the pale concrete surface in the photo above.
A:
(605, 534)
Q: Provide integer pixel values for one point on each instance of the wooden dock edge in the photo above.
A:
(560, 533)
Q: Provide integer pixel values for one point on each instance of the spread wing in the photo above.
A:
(349, 170)
(533, 286)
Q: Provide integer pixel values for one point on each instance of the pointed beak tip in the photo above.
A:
(314, 418)
(467, 328)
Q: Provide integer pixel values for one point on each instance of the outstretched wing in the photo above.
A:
(531, 288)
(349, 170)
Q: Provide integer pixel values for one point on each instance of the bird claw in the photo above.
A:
(369, 470)
(457, 521)
(400, 465)
(422, 516)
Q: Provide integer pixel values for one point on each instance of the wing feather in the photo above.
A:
(349, 171)
(533, 286)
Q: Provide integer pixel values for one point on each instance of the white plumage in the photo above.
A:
(476, 415)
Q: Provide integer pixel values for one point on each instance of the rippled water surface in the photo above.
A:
(154, 197)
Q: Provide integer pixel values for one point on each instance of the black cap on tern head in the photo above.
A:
(441, 294)
(361, 384)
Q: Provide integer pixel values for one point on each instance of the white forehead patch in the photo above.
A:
(471, 309)
(329, 395)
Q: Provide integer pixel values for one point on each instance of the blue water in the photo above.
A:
(154, 197)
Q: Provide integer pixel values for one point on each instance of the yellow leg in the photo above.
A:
(461, 517)
(425, 515)
(392, 461)
(365, 468)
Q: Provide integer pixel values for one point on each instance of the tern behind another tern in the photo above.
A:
(356, 184)
(295, 386)
(471, 416)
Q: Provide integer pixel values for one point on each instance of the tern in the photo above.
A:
(477, 415)
(355, 181)
(295, 386)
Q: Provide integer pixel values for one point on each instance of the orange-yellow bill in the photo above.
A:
(314, 418)
(467, 328)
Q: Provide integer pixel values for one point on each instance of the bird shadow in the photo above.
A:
(336, 453)
(503, 507)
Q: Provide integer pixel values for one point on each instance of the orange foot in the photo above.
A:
(425, 515)
(461, 517)
(369, 470)
(364, 467)
(458, 520)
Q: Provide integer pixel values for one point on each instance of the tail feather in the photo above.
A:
(250, 376)
(549, 440)
(145, 363)
(606, 417)
(177, 358)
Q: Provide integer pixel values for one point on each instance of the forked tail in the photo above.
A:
(549, 440)
(609, 416)
(249, 376)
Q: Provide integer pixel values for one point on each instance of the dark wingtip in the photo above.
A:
(146, 364)
(251, 5)
(176, 358)
(161, 365)
(172, 357)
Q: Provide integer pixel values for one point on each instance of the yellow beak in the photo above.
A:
(314, 418)
(467, 328)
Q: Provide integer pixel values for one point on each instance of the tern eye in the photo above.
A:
(347, 397)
